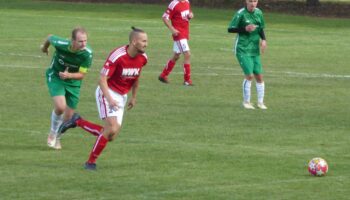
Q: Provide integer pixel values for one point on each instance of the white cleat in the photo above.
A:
(53, 141)
(262, 106)
(58, 144)
(248, 105)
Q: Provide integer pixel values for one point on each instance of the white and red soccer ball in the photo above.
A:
(318, 167)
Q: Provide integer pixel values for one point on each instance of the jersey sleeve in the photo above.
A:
(262, 23)
(56, 41)
(108, 68)
(168, 13)
(235, 21)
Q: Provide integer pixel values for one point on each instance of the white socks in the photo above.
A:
(246, 90)
(56, 121)
(260, 89)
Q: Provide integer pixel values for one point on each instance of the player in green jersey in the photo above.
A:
(70, 62)
(249, 23)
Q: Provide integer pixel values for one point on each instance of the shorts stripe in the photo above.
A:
(179, 46)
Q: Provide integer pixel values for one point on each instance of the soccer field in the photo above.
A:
(179, 142)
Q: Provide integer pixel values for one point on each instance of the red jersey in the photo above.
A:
(122, 69)
(177, 13)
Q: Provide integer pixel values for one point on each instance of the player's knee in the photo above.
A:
(176, 57)
(59, 109)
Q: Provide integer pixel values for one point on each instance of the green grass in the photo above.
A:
(178, 142)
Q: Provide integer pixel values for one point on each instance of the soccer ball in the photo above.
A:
(318, 167)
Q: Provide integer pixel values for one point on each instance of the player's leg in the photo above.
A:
(74, 119)
(163, 77)
(57, 92)
(260, 84)
(187, 68)
(110, 131)
(246, 64)
(113, 120)
(184, 48)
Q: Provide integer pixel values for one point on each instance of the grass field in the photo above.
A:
(179, 142)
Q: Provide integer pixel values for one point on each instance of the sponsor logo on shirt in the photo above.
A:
(67, 64)
(184, 14)
(131, 72)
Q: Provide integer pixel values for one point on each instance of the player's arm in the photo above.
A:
(67, 75)
(168, 24)
(134, 89)
(263, 40)
(45, 46)
(105, 90)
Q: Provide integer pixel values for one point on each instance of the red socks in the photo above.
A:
(168, 68)
(187, 72)
(100, 144)
(92, 128)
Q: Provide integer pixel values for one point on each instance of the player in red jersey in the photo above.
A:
(177, 18)
(119, 74)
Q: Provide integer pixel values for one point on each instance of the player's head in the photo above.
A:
(79, 38)
(251, 4)
(138, 39)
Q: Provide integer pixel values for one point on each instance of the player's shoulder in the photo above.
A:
(117, 53)
(88, 49)
(258, 11)
(144, 55)
(174, 3)
(56, 40)
(241, 11)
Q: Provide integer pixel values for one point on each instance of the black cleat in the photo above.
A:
(90, 166)
(69, 124)
(163, 79)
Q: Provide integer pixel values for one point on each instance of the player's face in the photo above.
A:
(141, 42)
(80, 41)
(251, 4)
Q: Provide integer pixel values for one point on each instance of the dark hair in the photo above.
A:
(134, 32)
(77, 30)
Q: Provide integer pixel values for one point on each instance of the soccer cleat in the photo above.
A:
(188, 83)
(68, 124)
(262, 106)
(58, 144)
(51, 140)
(248, 105)
(163, 79)
(90, 166)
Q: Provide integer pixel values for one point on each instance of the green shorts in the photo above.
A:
(57, 87)
(250, 64)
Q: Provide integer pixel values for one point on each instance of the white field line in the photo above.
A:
(231, 71)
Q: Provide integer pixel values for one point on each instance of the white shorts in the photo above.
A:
(181, 46)
(105, 110)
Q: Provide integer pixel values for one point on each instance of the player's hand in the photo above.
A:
(44, 50)
(263, 46)
(250, 28)
(65, 75)
(131, 103)
(113, 104)
(174, 32)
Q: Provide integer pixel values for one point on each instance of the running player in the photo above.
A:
(70, 63)
(177, 18)
(249, 23)
(119, 74)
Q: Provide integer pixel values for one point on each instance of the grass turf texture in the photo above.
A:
(179, 142)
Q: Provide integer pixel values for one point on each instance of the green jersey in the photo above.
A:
(248, 43)
(66, 59)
